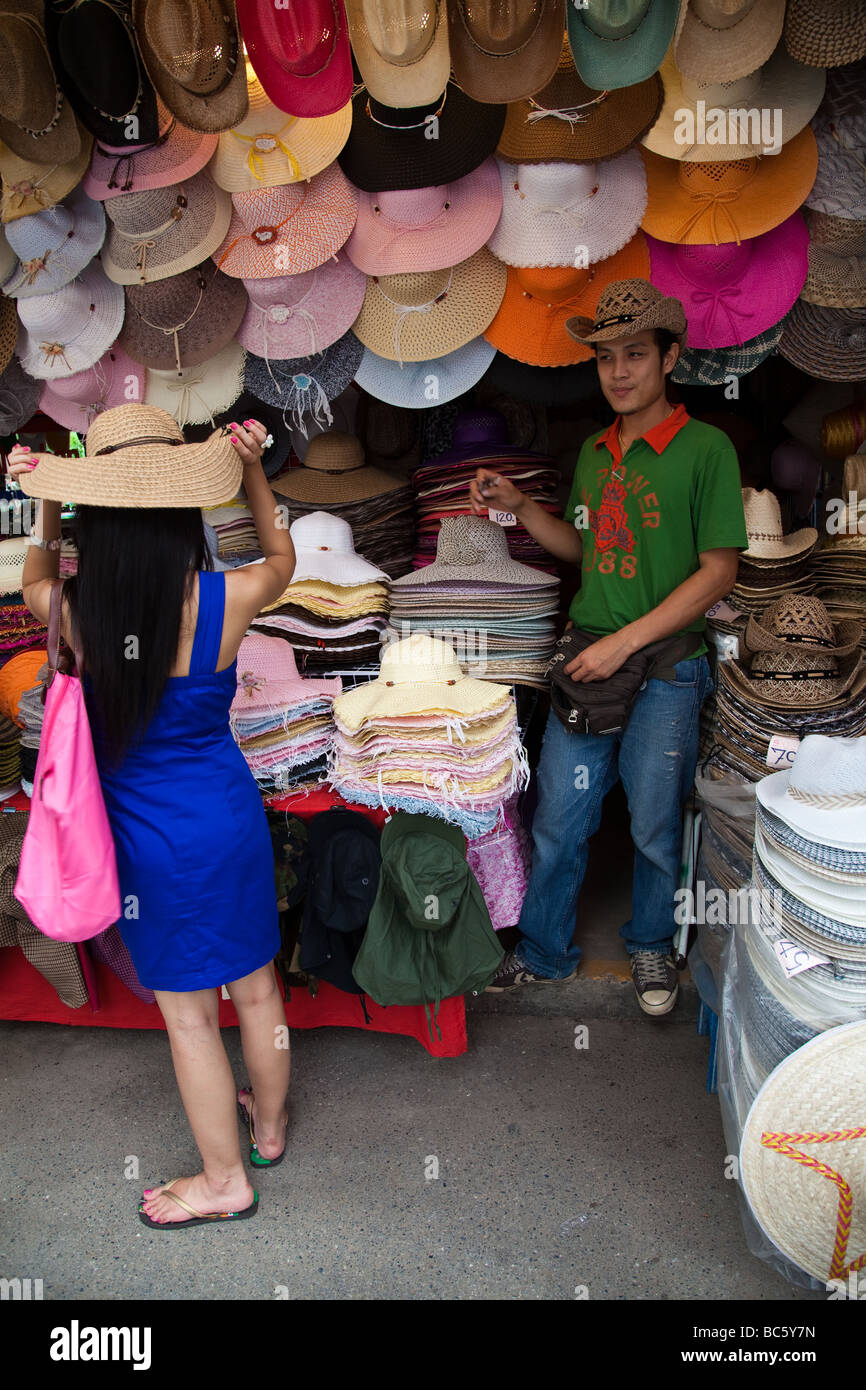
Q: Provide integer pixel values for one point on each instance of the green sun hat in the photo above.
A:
(616, 43)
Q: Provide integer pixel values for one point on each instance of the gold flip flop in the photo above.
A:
(197, 1218)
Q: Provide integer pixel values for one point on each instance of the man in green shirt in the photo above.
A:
(655, 520)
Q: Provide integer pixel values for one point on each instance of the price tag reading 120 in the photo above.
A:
(502, 518)
(782, 752)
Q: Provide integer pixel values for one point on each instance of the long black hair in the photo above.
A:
(135, 570)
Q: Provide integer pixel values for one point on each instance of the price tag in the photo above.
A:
(782, 751)
(794, 958)
(724, 612)
(727, 644)
(224, 992)
(502, 518)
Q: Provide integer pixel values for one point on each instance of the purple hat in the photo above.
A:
(297, 315)
(796, 470)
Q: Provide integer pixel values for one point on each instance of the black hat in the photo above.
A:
(98, 64)
(247, 407)
(410, 147)
(344, 877)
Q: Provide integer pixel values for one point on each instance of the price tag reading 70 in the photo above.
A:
(782, 751)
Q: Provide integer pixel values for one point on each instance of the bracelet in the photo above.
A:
(43, 544)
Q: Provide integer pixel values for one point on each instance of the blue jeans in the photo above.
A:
(655, 757)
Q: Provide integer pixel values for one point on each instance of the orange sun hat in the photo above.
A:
(18, 674)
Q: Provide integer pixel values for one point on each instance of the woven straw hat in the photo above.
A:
(413, 317)
(731, 293)
(417, 674)
(164, 231)
(839, 188)
(8, 259)
(629, 306)
(29, 187)
(843, 103)
(764, 529)
(827, 343)
(184, 320)
(823, 794)
(53, 247)
(825, 36)
(269, 147)
(69, 330)
(418, 385)
(288, 229)
(723, 40)
(504, 52)
(19, 395)
(802, 679)
(426, 228)
(175, 155)
(8, 331)
(473, 549)
(292, 315)
(136, 457)
(837, 268)
(98, 63)
(401, 49)
(197, 394)
(304, 386)
(616, 43)
(539, 305)
(325, 549)
(36, 120)
(301, 54)
(73, 402)
(194, 58)
(568, 214)
(781, 85)
(268, 676)
(697, 203)
(334, 471)
(804, 621)
(13, 553)
(568, 120)
(712, 366)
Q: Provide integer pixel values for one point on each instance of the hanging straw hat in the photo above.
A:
(301, 54)
(626, 307)
(197, 394)
(504, 52)
(288, 229)
(36, 121)
(827, 343)
(839, 187)
(53, 247)
(98, 63)
(568, 120)
(401, 50)
(325, 549)
(334, 471)
(176, 154)
(163, 231)
(293, 315)
(184, 320)
(305, 386)
(8, 331)
(30, 187)
(713, 366)
(837, 269)
(732, 293)
(568, 214)
(418, 674)
(723, 40)
(73, 402)
(193, 54)
(801, 620)
(616, 44)
(269, 147)
(764, 529)
(19, 397)
(825, 36)
(69, 330)
(420, 385)
(473, 549)
(136, 457)
(696, 203)
(416, 316)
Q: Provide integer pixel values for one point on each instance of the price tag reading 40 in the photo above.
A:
(782, 752)
(502, 518)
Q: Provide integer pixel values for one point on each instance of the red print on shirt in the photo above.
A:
(609, 523)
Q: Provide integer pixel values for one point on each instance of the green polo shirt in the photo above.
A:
(646, 517)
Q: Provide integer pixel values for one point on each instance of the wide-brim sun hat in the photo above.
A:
(416, 147)
(625, 307)
(713, 366)
(98, 64)
(418, 674)
(136, 457)
(402, 52)
(472, 549)
(562, 214)
(194, 57)
(732, 293)
(13, 553)
(532, 322)
(794, 679)
(54, 246)
(175, 155)
(826, 343)
(269, 147)
(830, 35)
(9, 331)
(420, 385)
(696, 203)
(426, 228)
(335, 472)
(619, 45)
(305, 386)
(293, 315)
(288, 229)
(763, 515)
(839, 187)
(36, 121)
(29, 187)
(164, 231)
(504, 52)
(567, 120)
(268, 676)
(822, 799)
(325, 550)
(301, 55)
(19, 396)
(198, 394)
(837, 270)
(73, 402)
(723, 40)
(416, 316)
(69, 330)
(747, 111)
(802, 620)
(182, 321)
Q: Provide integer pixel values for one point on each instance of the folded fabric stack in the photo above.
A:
(335, 609)
(838, 565)
(10, 756)
(19, 630)
(424, 737)
(282, 724)
(498, 614)
(480, 440)
(237, 540)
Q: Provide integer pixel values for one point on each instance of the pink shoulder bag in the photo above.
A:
(67, 874)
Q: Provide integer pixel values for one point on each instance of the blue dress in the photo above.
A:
(194, 853)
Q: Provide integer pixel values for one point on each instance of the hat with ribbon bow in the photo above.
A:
(30, 187)
(198, 394)
(193, 54)
(163, 231)
(73, 402)
(36, 121)
(70, 329)
(176, 154)
(301, 53)
(184, 320)
(268, 676)
(288, 229)
(54, 246)
(297, 315)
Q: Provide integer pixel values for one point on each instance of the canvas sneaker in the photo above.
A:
(512, 972)
(655, 981)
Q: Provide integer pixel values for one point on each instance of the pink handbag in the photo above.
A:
(67, 874)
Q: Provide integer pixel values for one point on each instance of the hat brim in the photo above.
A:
(394, 85)
(54, 181)
(197, 394)
(149, 475)
(606, 63)
(326, 92)
(607, 130)
(190, 149)
(786, 547)
(205, 113)
(194, 237)
(334, 295)
(838, 828)
(848, 635)
(106, 129)
(805, 343)
(418, 385)
(725, 55)
(712, 366)
(71, 413)
(327, 374)
(474, 294)
(65, 261)
(313, 144)
(318, 229)
(217, 320)
(467, 697)
(492, 77)
(95, 338)
(788, 694)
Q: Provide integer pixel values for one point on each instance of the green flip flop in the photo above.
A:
(246, 1119)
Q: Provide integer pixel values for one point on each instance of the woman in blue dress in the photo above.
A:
(159, 631)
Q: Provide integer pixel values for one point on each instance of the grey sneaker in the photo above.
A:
(511, 972)
(655, 981)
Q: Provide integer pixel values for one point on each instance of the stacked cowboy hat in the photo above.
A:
(498, 614)
(773, 564)
(839, 562)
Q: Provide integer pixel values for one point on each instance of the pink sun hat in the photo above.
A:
(175, 155)
(73, 402)
(426, 228)
(300, 53)
(268, 676)
(732, 293)
(288, 229)
(298, 315)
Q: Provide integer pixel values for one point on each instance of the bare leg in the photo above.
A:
(265, 1044)
(207, 1089)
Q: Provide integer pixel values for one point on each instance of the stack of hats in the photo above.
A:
(423, 737)
(30, 717)
(237, 538)
(19, 630)
(774, 564)
(335, 479)
(334, 610)
(480, 440)
(10, 756)
(282, 724)
(498, 614)
(839, 563)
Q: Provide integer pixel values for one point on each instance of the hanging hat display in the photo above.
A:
(69, 330)
(420, 385)
(301, 54)
(827, 36)
(303, 387)
(183, 320)
(176, 154)
(36, 121)
(30, 187)
(73, 402)
(99, 66)
(289, 229)
(713, 366)
(837, 262)
(724, 40)
(293, 315)
(8, 331)
(163, 231)
(197, 394)
(839, 187)
(193, 55)
(827, 343)
(504, 52)
(616, 43)
(54, 246)
(402, 51)
(335, 471)
(19, 396)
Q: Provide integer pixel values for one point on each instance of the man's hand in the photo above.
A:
(601, 659)
(488, 489)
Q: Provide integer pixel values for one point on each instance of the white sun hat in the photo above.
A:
(195, 395)
(69, 330)
(325, 549)
(823, 794)
(54, 246)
